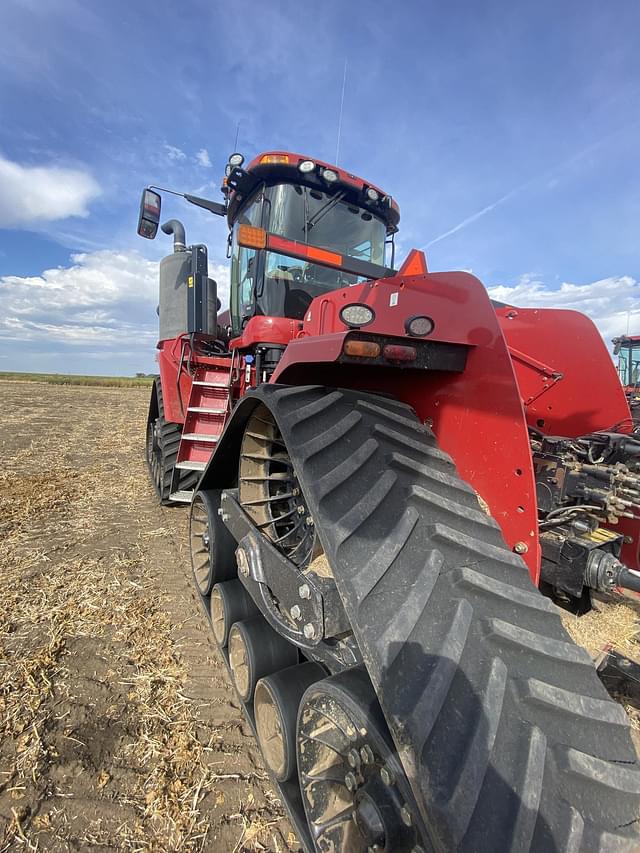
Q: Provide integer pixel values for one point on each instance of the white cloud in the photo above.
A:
(202, 158)
(33, 194)
(103, 299)
(611, 303)
(174, 153)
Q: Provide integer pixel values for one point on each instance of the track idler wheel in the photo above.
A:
(356, 796)
(256, 650)
(230, 602)
(212, 546)
(275, 706)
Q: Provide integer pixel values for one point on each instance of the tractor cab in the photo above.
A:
(300, 228)
(627, 348)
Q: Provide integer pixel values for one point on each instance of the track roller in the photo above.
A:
(356, 795)
(275, 706)
(230, 602)
(256, 650)
(212, 546)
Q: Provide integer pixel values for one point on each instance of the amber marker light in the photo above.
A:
(275, 158)
(362, 349)
(252, 238)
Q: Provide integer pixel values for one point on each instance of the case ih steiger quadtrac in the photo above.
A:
(382, 466)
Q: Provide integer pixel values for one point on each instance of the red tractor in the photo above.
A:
(627, 348)
(382, 467)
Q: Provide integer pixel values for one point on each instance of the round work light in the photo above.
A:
(357, 315)
(419, 327)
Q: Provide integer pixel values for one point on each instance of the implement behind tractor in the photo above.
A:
(382, 466)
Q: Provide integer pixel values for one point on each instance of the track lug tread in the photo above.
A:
(569, 702)
(337, 476)
(366, 506)
(369, 575)
(531, 641)
(497, 589)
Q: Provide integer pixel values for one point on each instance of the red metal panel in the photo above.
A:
(270, 330)
(630, 528)
(175, 405)
(477, 415)
(568, 381)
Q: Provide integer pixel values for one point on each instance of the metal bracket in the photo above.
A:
(306, 609)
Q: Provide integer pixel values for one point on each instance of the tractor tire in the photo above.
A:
(508, 739)
(163, 441)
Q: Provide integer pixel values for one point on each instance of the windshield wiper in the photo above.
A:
(326, 207)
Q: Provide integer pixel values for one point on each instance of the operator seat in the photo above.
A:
(296, 301)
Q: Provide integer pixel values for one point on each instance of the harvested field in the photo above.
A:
(77, 379)
(118, 727)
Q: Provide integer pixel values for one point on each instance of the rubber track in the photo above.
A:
(170, 434)
(507, 736)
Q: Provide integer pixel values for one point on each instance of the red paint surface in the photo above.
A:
(589, 395)
(266, 330)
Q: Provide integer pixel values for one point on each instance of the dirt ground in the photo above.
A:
(118, 726)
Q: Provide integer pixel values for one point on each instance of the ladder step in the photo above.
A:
(192, 466)
(183, 496)
(197, 436)
(206, 411)
(211, 384)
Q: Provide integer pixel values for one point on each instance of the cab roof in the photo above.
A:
(274, 167)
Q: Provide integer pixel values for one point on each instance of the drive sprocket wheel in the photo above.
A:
(270, 492)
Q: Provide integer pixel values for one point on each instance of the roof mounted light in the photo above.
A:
(228, 169)
(236, 159)
(372, 194)
(306, 166)
(330, 176)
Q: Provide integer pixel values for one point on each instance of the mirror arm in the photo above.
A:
(211, 206)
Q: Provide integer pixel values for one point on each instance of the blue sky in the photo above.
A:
(508, 132)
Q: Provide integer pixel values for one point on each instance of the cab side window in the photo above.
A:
(244, 264)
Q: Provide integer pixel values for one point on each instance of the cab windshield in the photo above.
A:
(320, 219)
(311, 216)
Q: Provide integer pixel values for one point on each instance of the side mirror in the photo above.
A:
(149, 217)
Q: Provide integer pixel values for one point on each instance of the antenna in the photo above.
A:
(235, 144)
(344, 83)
